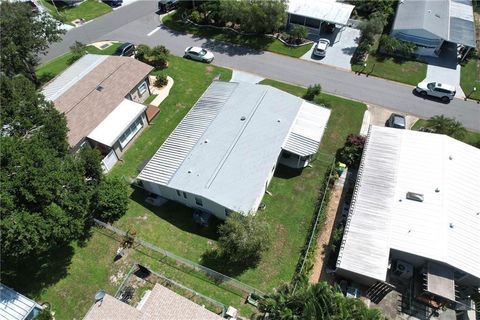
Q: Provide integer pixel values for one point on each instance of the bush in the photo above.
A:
(391, 45)
(312, 91)
(243, 239)
(195, 16)
(78, 50)
(161, 81)
(351, 153)
(156, 57)
(111, 199)
(297, 33)
(141, 52)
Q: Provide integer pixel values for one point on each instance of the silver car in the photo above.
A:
(199, 54)
(321, 47)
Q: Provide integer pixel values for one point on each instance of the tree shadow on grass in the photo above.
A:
(33, 274)
(178, 215)
(214, 260)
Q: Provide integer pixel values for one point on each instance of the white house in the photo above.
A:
(223, 154)
(415, 214)
(433, 25)
(15, 306)
(101, 98)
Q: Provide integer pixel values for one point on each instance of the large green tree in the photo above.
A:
(46, 191)
(24, 35)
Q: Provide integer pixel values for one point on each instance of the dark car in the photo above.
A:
(114, 3)
(330, 27)
(396, 121)
(165, 6)
(127, 49)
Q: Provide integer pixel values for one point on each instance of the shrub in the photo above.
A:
(142, 51)
(161, 81)
(78, 50)
(351, 153)
(195, 16)
(156, 57)
(312, 91)
(391, 45)
(111, 199)
(243, 239)
(297, 33)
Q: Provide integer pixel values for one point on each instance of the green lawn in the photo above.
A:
(52, 68)
(88, 10)
(471, 137)
(405, 71)
(174, 22)
(469, 79)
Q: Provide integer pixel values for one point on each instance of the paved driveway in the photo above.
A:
(342, 46)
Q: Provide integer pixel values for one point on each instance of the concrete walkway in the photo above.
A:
(241, 76)
(162, 93)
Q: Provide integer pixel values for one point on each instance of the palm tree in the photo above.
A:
(449, 126)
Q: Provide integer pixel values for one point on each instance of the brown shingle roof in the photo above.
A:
(85, 107)
(161, 304)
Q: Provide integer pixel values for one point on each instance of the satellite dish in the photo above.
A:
(99, 295)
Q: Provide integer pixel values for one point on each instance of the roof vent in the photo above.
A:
(415, 196)
(450, 157)
(206, 141)
(451, 225)
(278, 120)
(437, 190)
(437, 15)
(99, 88)
(189, 171)
(243, 118)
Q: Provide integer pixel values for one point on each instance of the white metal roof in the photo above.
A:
(13, 305)
(307, 131)
(225, 147)
(110, 129)
(444, 227)
(72, 75)
(328, 11)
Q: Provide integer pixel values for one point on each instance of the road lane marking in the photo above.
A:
(153, 31)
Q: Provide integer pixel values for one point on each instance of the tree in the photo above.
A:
(298, 32)
(90, 159)
(352, 151)
(25, 35)
(243, 238)
(156, 57)
(449, 126)
(78, 50)
(161, 81)
(111, 199)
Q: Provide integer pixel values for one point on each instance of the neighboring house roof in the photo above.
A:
(444, 227)
(450, 20)
(89, 90)
(113, 126)
(225, 147)
(14, 306)
(160, 304)
(329, 11)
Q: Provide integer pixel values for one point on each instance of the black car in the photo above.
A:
(165, 6)
(114, 3)
(396, 121)
(127, 49)
(330, 28)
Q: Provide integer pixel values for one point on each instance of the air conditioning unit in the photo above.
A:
(403, 269)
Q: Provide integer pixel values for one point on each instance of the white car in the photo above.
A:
(199, 54)
(321, 47)
(443, 91)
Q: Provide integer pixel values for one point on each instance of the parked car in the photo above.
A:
(443, 91)
(113, 3)
(199, 54)
(127, 49)
(330, 27)
(396, 121)
(165, 6)
(321, 47)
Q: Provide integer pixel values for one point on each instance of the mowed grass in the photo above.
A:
(469, 79)
(52, 68)
(88, 10)
(471, 137)
(174, 22)
(405, 71)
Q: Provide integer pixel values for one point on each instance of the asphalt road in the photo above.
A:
(138, 23)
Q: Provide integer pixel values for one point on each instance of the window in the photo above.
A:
(142, 88)
(199, 201)
(185, 195)
(178, 193)
(131, 132)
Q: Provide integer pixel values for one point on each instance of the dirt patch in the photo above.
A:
(325, 234)
(180, 106)
(209, 69)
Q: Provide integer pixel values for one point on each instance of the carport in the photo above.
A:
(313, 13)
